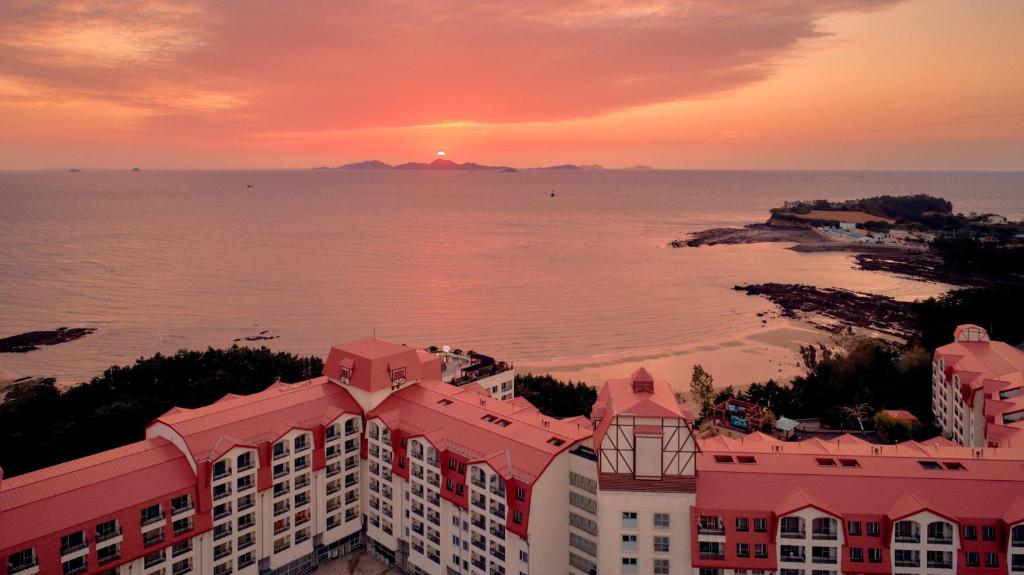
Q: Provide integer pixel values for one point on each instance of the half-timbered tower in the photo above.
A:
(646, 476)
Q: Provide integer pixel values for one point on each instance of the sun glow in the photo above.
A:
(441, 153)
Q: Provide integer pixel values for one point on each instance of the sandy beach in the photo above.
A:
(769, 352)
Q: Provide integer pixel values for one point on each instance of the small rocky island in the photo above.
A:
(33, 340)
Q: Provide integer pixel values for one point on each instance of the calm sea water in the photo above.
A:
(161, 260)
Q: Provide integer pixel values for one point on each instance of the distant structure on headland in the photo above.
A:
(380, 453)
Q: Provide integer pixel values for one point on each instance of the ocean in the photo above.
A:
(582, 284)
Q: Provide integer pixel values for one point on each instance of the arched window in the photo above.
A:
(824, 528)
(940, 532)
(908, 532)
(792, 527)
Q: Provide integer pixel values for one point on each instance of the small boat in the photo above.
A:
(248, 185)
(552, 193)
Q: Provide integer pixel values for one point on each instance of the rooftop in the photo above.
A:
(249, 420)
(851, 476)
(43, 502)
(997, 370)
(469, 422)
(373, 364)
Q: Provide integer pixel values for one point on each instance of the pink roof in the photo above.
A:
(994, 368)
(249, 420)
(373, 360)
(453, 418)
(900, 414)
(887, 480)
(626, 397)
(90, 489)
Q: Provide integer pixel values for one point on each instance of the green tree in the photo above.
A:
(702, 390)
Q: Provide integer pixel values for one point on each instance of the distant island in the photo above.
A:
(438, 164)
(445, 164)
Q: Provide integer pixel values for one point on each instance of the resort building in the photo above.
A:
(381, 454)
(978, 390)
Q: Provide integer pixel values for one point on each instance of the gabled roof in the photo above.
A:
(847, 476)
(372, 362)
(249, 420)
(798, 499)
(511, 436)
(89, 489)
(620, 397)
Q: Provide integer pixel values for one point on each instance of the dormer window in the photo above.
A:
(397, 378)
(345, 374)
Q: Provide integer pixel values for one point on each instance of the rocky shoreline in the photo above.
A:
(33, 340)
(749, 234)
(844, 308)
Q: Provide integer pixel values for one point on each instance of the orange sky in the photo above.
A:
(810, 84)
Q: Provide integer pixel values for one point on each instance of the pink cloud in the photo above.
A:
(244, 67)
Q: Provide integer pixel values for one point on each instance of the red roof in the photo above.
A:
(997, 370)
(625, 397)
(512, 436)
(90, 489)
(372, 362)
(875, 479)
(900, 414)
(249, 420)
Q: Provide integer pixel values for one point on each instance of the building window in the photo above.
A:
(661, 567)
(970, 532)
(973, 559)
(856, 554)
(244, 461)
(875, 555)
(629, 520)
(22, 560)
(661, 521)
(743, 550)
(853, 527)
(517, 517)
(760, 525)
(761, 550)
(991, 559)
(661, 544)
(73, 542)
(76, 565)
(742, 524)
(523, 556)
(988, 533)
(874, 529)
(521, 493)
(629, 565)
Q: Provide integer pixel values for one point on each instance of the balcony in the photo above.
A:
(940, 564)
(711, 530)
(69, 549)
(152, 519)
(34, 564)
(478, 502)
(182, 509)
(944, 540)
(793, 534)
(480, 543)
(181, 569)
(498, 510)
(908, 538)
(153, 537)
(824, 535)
(907, 563)
(76, 568)
(824, 560)
(715, 556)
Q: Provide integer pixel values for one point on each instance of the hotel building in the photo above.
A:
(379, 453)
(978, 390)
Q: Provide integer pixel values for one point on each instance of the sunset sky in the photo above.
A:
(812, 84)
